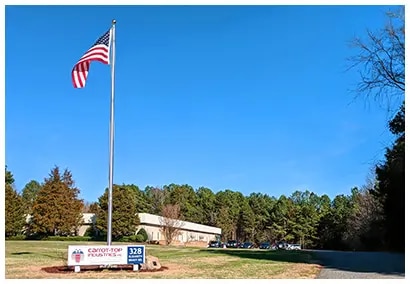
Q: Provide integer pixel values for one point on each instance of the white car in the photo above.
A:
(294, 247)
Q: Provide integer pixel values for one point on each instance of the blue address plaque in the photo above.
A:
(136, 254)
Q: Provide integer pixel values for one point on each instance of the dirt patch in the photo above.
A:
(180, 270)
(96, 268)
(300, 271)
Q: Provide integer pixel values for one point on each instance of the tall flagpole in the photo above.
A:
(111, 165)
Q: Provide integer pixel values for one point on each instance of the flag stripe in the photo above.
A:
(96, 56)
(103, 50)
(99, 51)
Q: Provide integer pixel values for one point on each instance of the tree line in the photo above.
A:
(353, 221)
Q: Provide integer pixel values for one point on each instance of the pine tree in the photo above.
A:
(9, 179)
(124, 212)
(14, 212)
(29, 194)
(57, 208)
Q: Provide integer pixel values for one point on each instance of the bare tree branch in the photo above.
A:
(380, 61)
(170, 222)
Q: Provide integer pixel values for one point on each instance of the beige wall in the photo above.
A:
(190, 232)
(83, 229)
(155, 234)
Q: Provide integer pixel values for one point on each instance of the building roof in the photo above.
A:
(146, 218)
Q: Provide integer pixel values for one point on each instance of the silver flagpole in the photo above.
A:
(111, 166)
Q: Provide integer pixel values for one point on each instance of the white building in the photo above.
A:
(188, 231)
(88, 221)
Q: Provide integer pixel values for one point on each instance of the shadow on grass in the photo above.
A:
(367, 262)
(21, 253)
(273, 255)
(36, 253)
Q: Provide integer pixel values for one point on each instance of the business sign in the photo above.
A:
(99, 255)
(135, 254)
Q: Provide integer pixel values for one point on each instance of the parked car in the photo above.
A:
(265, 245)
(232, 244)
(215, 244)
(247, 245)
(294, 247)
(282, 245)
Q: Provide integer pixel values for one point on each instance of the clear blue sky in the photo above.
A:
(253, 99)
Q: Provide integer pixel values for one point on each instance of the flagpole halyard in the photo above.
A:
(111, 154)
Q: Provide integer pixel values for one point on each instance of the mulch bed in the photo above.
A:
(96, 268)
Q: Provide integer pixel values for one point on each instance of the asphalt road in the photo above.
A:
(360, 265)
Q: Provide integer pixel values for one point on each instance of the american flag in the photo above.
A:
(99, 51)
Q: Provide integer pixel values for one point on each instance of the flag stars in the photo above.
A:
(104, 39)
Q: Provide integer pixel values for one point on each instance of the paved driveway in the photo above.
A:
(359, 265)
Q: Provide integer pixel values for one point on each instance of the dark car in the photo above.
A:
(264, 245)
(232, 244)
(215, 244)
(282, 245)
(247, 245)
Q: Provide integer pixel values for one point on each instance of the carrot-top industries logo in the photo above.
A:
(77, 255)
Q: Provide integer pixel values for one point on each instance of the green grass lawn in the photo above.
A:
(25, 259)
